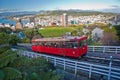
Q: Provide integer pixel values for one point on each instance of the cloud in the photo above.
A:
(113, 8)
(2, 9)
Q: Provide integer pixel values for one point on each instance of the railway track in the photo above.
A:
(103, 61)
(90, 59)
(87, 58)
(89, 64)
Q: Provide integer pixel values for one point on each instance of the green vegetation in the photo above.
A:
(17, 67)
(4, 38)
(55, 31)
(58, 31)
(3, 49)
(6, 30)
(30, 33)
(14, 39)
(52, 32)
(25, 40)
(117, 28)
(7, 38)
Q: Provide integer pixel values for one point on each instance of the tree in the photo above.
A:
(14, 39)
(109, 39)
(4, 38)
(17, 67)
(1, 30)
(31, 33)
(25, 40)
(74, 33)
(37, 34)
(3, 49)
(10, 73)
(117, 28)
(6, 30)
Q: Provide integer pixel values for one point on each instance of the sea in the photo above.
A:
(11, 22)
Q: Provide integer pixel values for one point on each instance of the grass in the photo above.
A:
(55, 31)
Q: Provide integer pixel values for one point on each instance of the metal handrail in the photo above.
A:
(75, 65)
(104, 49)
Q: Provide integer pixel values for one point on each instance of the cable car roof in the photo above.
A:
(70, 38)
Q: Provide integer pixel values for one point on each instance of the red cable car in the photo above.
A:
(64, 46)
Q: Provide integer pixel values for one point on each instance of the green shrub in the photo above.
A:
(3, 49)
(25, 40)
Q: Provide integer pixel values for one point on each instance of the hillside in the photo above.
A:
(76, 13)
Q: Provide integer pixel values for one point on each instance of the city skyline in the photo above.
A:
(36, 5)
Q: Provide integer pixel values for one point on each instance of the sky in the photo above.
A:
(37, 5)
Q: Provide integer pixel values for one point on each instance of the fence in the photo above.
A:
(26, 45)
(104, 49)
(77, 66)
(3, 45)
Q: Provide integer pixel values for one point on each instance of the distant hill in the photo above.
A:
(21, 13)
(73, 12)
(77, 12)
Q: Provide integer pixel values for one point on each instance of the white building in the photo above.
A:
(13, 28)
(7, 25)
(1, 25)
(64, 20)
(97, 33)
(30, 25)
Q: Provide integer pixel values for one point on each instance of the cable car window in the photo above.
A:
(35, 43)
(83, 43)
(71, 44)
(80, 44)
(75, 44)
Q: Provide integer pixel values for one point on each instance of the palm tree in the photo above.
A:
(17, 67)
(8, 72)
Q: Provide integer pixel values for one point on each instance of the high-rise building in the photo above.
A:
(19, 24)
(64, 20)
(32, 19)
